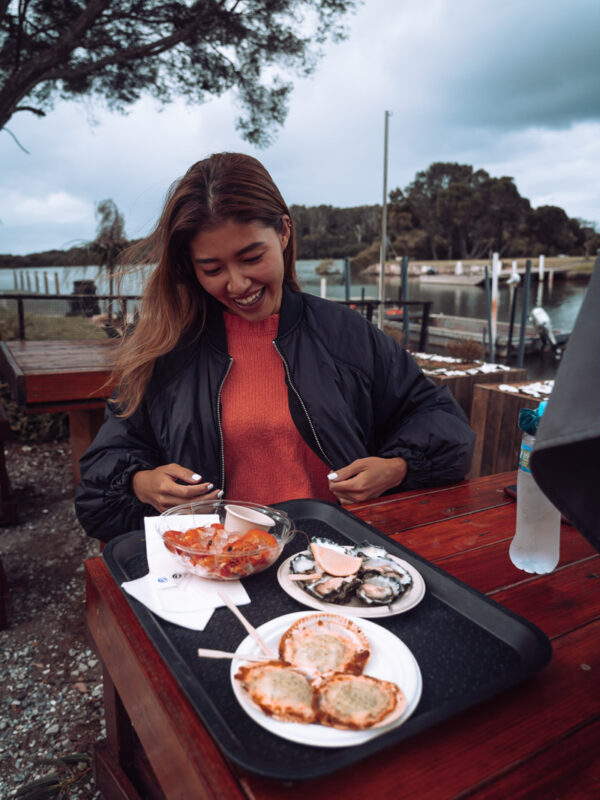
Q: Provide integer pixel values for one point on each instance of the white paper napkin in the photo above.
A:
(173, 594)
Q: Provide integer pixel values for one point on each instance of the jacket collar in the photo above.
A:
(289, 316)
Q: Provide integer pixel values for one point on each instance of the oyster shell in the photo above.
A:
(325, 642)
(303, 563)
(348, 549)
(332, 589)
(379, 589)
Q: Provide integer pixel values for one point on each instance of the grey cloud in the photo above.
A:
(539, 66)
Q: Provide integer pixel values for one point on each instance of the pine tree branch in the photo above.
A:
(37, 111)
(154, 48)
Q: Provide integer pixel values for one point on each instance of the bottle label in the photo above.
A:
(524, 458)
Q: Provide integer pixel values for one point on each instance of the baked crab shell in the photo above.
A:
(324, 643)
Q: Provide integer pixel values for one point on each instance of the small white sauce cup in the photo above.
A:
(241, 520)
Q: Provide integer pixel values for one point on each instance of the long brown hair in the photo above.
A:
(225, 186)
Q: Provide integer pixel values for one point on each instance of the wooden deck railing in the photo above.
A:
(85, 305)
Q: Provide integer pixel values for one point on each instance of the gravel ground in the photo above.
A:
(51, 710)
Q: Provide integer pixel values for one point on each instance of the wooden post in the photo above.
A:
(56, 283)
(494, 322)
(540, 291)
(494, 419)
(83, 427)
(46, 286)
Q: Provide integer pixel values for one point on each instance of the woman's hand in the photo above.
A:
(366, 478)
(158, 487)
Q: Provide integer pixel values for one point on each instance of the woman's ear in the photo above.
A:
(284, 236)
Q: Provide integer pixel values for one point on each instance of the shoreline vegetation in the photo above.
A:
(449, 212)
(565, 267)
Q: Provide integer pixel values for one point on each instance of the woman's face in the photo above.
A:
(241, 265)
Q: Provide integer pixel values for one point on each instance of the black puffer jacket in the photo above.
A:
(353, 392)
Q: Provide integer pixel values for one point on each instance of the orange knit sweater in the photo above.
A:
(266, 459)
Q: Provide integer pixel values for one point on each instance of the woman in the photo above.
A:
(235, 382)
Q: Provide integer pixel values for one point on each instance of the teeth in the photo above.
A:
(247, 301)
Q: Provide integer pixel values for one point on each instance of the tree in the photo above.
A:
(110, 240)
(464, 213)
(122, 49)
(551, 230)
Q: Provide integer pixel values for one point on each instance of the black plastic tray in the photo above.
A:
(468, 648)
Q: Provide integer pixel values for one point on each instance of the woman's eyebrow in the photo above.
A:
(243, 251)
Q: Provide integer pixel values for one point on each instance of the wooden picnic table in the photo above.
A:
(538, 739)
(71, 376)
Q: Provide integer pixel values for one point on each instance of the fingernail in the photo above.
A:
(220, 493)
(333, 476)
(210, 486)
(196, 477)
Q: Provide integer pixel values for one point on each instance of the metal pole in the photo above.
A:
(405, 315)
(383, 223)
(347, 277)
(513, 307)
(526, 283)
(489, 312)
(21, 316)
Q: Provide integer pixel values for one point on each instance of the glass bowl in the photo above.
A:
(195, 534)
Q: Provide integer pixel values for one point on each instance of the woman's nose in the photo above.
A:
(237, 282)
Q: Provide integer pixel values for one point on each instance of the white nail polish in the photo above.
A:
(196, 477)
(210, 486)
(332, 476)
(220, 494)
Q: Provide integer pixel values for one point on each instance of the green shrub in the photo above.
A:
(33, 428)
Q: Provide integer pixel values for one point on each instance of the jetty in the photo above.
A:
(444, 329)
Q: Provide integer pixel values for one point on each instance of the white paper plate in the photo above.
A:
(353, 608)
(390, 660)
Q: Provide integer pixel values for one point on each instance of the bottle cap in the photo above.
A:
(529, 418)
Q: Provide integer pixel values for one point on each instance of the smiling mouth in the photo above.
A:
(250, 300)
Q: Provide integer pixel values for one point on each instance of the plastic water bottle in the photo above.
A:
(536, 543)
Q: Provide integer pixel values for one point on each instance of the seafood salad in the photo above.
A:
(319, 678)
(365, 574)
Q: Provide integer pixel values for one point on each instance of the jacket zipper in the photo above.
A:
(219, 425)
(301, 401)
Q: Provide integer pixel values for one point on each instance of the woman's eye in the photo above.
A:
(253, 259)
(211, 272)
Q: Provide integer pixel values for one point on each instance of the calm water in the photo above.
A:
(562, 302)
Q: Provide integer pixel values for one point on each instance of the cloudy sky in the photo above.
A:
(510, 87)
